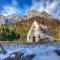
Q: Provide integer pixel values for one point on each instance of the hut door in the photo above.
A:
(34, 39)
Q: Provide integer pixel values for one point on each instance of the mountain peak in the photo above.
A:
(46, 15)
(44, 12)
(34, 13)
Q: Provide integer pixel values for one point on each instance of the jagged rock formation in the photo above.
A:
(11, 19)
(2, 19)
(34, 13)
(46, 15)
(30, 14)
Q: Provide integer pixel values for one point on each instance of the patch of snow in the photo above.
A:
(42, 52)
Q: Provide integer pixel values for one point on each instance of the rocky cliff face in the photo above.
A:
(30, 14)
(34, 13)
(2, 19)
(11, 19)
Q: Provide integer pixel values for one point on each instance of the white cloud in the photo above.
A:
(13, 8)
(38, 5)
(10, 9)
(50, 6)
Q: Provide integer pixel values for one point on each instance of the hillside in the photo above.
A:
(23, 26)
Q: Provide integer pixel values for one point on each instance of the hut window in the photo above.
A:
(32, 30)
(39, 37)
(29, 37)
(34, 26)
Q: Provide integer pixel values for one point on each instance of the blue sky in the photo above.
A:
(20, 7)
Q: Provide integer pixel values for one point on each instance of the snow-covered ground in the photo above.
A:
(41, 51)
